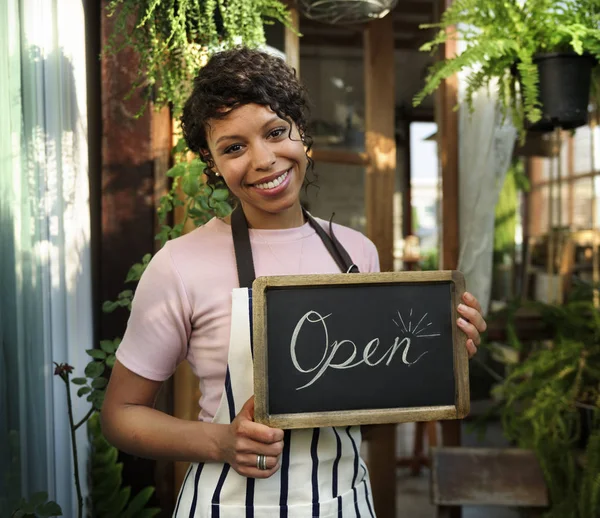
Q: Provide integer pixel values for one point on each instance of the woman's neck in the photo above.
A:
(289, 218)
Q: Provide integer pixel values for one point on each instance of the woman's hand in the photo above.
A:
(471, 322)
(246, 440)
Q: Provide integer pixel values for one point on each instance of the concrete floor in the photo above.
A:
(413, 496)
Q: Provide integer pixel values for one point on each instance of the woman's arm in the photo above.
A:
(132, 424)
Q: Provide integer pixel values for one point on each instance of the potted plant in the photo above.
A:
(549, 401)
(538, 54)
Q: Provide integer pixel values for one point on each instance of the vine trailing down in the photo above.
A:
(175, 39)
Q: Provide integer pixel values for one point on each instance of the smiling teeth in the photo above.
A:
(273, 183)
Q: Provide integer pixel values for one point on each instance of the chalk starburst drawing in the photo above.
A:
(415, 330)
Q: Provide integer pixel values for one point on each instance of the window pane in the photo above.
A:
(335, 83)
(341, 190)
(582, 206)
(583, 150)
(425, 188)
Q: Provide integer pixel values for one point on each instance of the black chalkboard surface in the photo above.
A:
(333, 350)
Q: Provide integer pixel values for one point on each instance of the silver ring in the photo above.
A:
(261, 462)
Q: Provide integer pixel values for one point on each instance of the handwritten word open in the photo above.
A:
(330, 350)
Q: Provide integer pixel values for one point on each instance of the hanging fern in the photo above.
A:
(174, 38)
(501, 39)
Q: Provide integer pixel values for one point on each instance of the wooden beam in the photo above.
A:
(292, 43)
(352, 41)
(409, 7)
(447, 120)
(339, 156)
(379, 185)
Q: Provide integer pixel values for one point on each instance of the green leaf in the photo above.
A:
(94, 369)
(79, 381)
(83, 391)
(127, 294)
(109, 306)
(180, 147)
(96, 354)
(104, 458)
(49, 509)
(134, 274)
(38, 498)
(98, 399)
(108, 346)
(138, 502)
(99, 383)
(190, 185)
(177, 170)
(222, 209)
(220, 195)
(115, 505)
(110, 361)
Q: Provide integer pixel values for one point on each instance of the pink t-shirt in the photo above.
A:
(182, 305)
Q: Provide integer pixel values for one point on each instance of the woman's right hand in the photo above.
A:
(246, 440)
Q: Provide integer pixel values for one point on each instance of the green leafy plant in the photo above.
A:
(543, 398)
(37, 506)
(174, 39)
(188, 192)
(501, 39)
(108, 498)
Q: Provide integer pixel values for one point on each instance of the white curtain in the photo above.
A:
(485, 149)
(45, 267)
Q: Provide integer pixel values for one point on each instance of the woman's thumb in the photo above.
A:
(247, 410)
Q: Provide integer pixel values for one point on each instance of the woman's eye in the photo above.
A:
(277, 132)
(232, 149)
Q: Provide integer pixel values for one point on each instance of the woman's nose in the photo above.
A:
(263, 157)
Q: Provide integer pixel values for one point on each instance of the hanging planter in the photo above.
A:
(174, 39)
(564, 90)
(337, 12)
(522, 51)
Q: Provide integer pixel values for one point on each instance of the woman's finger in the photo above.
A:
(470, 330)
(473, 316)
(471, 301)
(471, 348)
(251, 460)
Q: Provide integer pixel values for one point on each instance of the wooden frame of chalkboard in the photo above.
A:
(455, 405)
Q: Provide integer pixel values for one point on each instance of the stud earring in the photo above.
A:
(217, 173)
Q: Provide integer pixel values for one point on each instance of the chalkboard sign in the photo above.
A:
(366, 348)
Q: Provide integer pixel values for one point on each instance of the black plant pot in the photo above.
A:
(564, 87)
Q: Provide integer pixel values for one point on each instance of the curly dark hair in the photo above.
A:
(236, 77)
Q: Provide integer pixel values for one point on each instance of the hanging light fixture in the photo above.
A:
(345, 11)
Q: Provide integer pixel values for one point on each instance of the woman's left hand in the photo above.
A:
(471, 322)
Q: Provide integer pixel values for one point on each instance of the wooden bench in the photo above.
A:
(482, 476)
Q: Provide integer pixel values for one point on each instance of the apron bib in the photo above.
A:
(321, 473)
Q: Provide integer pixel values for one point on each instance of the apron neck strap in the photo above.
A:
(243, 248)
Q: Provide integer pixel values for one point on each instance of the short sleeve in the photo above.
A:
(371, 257)
(158, 330)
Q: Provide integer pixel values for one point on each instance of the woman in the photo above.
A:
(247, 119)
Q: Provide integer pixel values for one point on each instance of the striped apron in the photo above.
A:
(321, 474)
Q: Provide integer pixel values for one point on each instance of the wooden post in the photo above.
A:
(135, 154)
(379, 185)
(447, 120)
(292, 42)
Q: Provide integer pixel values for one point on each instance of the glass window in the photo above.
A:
(339, 189)
(335, 83)
(425, 189)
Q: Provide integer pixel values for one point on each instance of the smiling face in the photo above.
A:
(261, 163)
